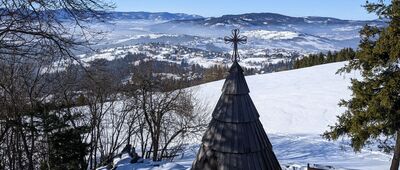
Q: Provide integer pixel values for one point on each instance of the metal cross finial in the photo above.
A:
(235, 39)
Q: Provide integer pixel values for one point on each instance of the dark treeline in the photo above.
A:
(280, 66)
(323, 58)
(218, 72)
(184, 74)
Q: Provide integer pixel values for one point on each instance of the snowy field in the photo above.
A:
(295, 108)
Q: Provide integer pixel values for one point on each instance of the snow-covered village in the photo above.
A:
(199, 85)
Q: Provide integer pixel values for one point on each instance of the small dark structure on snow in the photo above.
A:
(235, 138)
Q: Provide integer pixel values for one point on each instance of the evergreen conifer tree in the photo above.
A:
(67, 149)
(373, 112)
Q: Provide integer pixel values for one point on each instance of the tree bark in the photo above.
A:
(396, 154)
(155, 149)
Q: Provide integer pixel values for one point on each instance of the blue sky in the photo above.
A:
(344, 9)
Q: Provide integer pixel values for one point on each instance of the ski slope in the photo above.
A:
(295, 108)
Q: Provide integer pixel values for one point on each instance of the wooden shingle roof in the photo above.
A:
(235, 138)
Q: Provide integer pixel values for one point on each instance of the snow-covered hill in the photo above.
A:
(135, 26)
(163, 16)
(302, 101)
(295, 107)
(140, 15)
(270, 36)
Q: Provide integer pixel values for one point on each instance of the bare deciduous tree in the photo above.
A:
(168, 111)
(33, 36)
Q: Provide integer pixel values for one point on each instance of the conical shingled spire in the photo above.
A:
(235, 138)
(235, 82)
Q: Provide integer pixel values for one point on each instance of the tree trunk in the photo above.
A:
(396, 154)
(155, 149)
(31, 166)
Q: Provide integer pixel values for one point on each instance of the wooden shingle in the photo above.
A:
(235, 138)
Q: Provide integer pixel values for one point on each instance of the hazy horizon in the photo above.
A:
(341, 9)
(249, 13)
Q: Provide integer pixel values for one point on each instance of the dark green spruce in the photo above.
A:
(322, 58)
(373, 112)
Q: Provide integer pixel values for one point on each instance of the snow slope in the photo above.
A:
(295, 107)
(271, 35)
(303, 101)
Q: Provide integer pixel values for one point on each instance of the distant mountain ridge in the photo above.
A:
(151, 16)
(265, 19)
(272, 38)
(64, 14)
